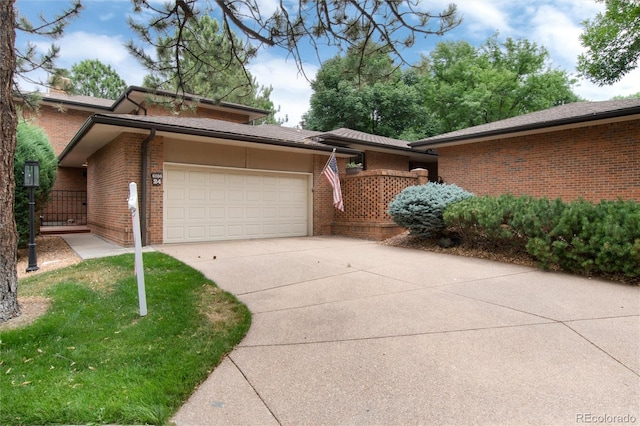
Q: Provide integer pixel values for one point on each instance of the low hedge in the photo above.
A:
(578, 236)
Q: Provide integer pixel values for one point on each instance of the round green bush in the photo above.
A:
(419, 208)
(32, 144)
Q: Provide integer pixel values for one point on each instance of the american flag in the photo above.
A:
(331, 173)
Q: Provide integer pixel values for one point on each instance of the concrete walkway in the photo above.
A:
(352, 332)
(89, 246)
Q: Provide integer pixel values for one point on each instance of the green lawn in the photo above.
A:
(92, 359)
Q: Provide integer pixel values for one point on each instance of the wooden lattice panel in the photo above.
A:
(367, 195)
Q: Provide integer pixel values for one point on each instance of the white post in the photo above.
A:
(139, 267)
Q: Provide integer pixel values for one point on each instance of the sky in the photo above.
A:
(101, 31)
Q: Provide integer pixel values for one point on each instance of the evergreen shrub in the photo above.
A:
(32, 144)
(483, 221)
(579, 236)
(419, 208)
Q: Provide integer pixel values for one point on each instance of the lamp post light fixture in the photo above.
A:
(32, 181)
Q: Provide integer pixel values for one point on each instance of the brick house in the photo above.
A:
(206, 173)
(588, 150)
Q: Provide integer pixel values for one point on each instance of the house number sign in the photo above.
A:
(156, 178)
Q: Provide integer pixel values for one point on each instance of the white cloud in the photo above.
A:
(629, 85)
(107, 17)
(79, 45)
(557, 26)
(482, 16)
(291, 90)
(555, 30)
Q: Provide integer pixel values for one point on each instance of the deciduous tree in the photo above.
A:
(368, 93)
(612, 40)
(467, 85)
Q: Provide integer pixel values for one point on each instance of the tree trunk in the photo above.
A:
(8, 122)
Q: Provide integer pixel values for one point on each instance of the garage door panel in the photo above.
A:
(284, 197)
(233, 179)
(197, 213)
(175, 213)
(197, 178)
(299, 213)
(270, 229)
(269, 181)
(174, 233)
(217, 213)
(175, 194)
(197, 194)
(176, 176)
(235, 213)
(203, 204)
(195, 232)
(269, 212)
(235, 194)
(254, 212)
(235, 231)
(253, 230)
(270, 196)
(216, 232)
(255, 180)
(217, 179)
(254, 196)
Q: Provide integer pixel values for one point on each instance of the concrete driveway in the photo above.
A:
(352, 332)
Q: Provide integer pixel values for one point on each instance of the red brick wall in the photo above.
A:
(71, 179)
(155, 193)
(323, 210)
(384, 161)
(595, 163)
(60, 124)
(110, 171)
(160, 110)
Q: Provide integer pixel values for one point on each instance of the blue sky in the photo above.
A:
(101, 31)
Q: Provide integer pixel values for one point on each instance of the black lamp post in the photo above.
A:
(32, 181)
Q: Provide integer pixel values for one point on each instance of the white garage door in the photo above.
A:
(207, 204)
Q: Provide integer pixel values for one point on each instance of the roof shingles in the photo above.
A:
(273, 132)
(569, 113)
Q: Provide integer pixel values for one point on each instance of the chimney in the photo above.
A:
(60, 85)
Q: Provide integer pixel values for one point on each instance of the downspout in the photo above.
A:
(143, 184)
(139, 107)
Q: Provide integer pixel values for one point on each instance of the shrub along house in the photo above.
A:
(588, 150)
(206, 173)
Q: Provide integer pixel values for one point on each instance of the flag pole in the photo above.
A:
(323, 169)
(329, 160)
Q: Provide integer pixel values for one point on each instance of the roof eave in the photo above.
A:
(125, 123)
(329, 139)
(549, 126)
(252, 113)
